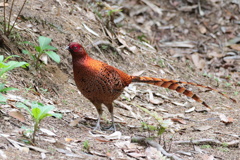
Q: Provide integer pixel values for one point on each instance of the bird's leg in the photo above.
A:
(100, 111)
(110, 109)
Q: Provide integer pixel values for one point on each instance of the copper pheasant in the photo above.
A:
(102, 83)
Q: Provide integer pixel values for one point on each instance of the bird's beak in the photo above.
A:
(67, 48)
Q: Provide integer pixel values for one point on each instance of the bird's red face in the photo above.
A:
(75, 47)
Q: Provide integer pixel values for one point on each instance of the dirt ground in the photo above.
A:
(187, 40)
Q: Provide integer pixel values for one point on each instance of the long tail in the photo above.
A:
(174, 85)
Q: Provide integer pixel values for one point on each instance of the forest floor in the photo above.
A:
(187, 40)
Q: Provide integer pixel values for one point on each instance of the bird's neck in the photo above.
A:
(79, 59)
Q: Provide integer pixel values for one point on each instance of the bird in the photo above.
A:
(101, 83)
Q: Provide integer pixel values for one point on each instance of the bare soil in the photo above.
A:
(188, 40)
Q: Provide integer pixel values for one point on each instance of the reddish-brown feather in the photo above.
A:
(102, 83)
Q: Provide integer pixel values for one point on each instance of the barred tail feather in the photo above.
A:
(174, 85)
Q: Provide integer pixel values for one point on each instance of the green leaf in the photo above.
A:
(2, 98)
(3, 65)
(2, 86)
(36, 113)
(21, 105)
(38, 49)
(1, 58)
(54, 56)
(43, 41)
(48, 47)
(26, 52)
(45, 110)
(8, 89)
(10, 57)
(12, 65)
(57, 115)
(27, 42)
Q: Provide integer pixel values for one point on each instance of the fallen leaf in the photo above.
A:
(2, 4)
(3, 155)
(24, 149)
(182, 44)
(152, 100)
(202, 128)
(136, 155)
(190, 110)
(17, 114)
(235, 46)
(153, 7)
(225, 119)
(207, 157)
(178, 120)
(68, 139)
(90, 30)
(115, 135)
(48, 132)
(68, 153)
(202, 29)
(198, 62)
(75, 122)
(102, 140)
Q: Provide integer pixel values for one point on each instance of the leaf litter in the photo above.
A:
(208, 41)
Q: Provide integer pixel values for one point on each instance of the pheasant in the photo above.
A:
(102, 83)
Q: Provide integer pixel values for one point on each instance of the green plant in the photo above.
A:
(206, 146)
(4, 89)
(142, 38)
(5, 67)
(42, 48)
(162, 124)
(223, 149)
(38, 112)
(6, 25)
(110, 12)
(86, 146)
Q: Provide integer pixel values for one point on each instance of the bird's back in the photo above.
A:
(98, 81)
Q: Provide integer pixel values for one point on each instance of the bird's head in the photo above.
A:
(76, 49)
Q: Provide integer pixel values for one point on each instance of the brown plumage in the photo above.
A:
(102, 83)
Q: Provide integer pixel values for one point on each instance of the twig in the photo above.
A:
(234, 143)
(9, 19)
(145, 141)
(18, 15)
(4, 17)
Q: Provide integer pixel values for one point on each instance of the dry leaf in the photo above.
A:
(225, 119)
(115, 135)
(101, 140)
(178, 120)
(24, 149)
(190, 110)
(235, 46)
(202, 128)
(68, 139)
(187, 8)
(152, 100)
(48, 132)
(199, 63)
(202, 29)
(17, 114)
(75, 122)
(207, 157)
(3, 155)
(2, 4)
(136, 155)
(183, 44)
(153, 7)
(90, 30)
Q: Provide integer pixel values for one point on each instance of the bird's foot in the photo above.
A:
(111, 128)
(97, 128)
